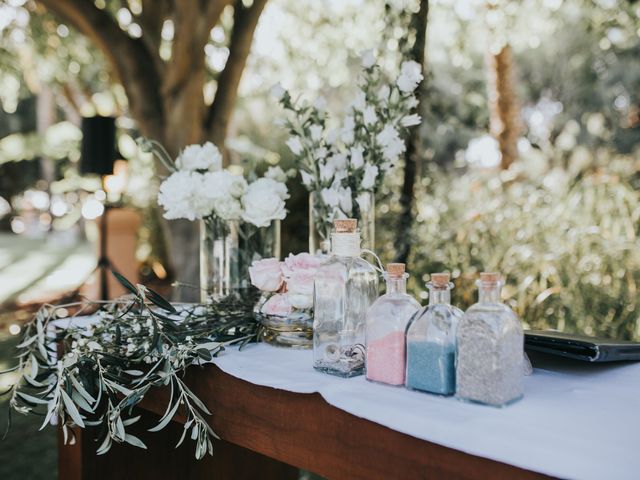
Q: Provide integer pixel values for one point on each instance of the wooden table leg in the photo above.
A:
(162, 460)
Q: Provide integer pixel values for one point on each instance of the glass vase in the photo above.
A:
(292, 330)
(227, 249)
(321, 222)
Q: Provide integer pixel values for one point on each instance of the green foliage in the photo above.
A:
(568, 246)
(111, 362)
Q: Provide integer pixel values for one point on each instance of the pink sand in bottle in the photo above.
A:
(385, 359)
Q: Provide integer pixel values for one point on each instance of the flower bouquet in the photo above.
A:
(239, 218)
(285, 308)
(343, 166)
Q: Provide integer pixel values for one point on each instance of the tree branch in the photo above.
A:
(132, 63)
(244, 25)
(151, 19)
(412, 156)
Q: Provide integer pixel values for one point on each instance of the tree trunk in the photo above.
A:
(166, 98)
(504, 108)
(412, 155)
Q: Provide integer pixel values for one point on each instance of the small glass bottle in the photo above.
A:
(490, 349)
(386, 325)
(345, 286)
(431, 341)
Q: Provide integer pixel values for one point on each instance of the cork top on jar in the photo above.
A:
(345, 225)
(396, 269)
(440, 279)
(489, 278)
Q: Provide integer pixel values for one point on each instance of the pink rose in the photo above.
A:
(300, 288)
(301, 261)
(266, 274)
(278, 304)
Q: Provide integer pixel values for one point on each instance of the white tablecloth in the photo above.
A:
(575, 421)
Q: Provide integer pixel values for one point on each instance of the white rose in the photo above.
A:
(410, 76)
(369, 177)
(200, 157)
(276, 173)
(264, 202)
(357, 159)
(368, 58)
(295, 145)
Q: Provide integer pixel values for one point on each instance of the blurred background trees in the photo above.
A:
(530, 107)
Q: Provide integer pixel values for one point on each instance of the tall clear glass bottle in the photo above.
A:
(490, 349)
(387, 321)
(344, 288)
(431, 341)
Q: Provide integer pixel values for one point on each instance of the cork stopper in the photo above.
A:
(440, 279)
(345, 225)
(490, 278)
(396, 269)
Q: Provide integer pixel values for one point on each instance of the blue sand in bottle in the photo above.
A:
(431, 367)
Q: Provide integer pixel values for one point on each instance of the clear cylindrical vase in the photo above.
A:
(227, 249)
(321, 222)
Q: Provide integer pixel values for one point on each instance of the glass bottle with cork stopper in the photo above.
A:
(490, 348)
(387, 321)
(431, 341)
(345, 286)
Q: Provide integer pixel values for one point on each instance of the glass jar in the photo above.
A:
(227, 249)
(321, 222)
(345, 286)
(490, 349)
(387, 321)
(291, 330)
(431, 341)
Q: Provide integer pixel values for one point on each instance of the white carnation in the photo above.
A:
(295, 145)
(200, 157)
(357, 159)
(264, 202)
(410, 76)
(182, 196)
(369, 177)
(228, 208)
(222, 184)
